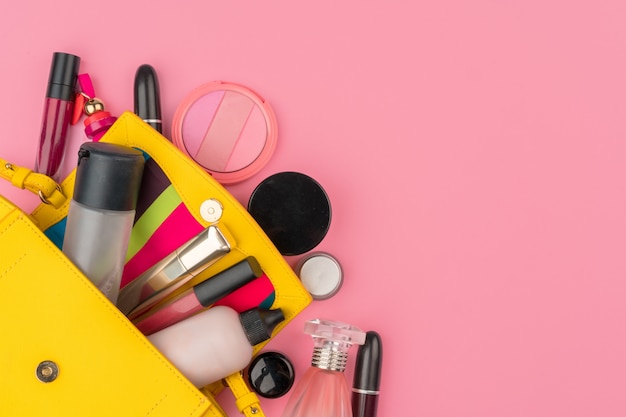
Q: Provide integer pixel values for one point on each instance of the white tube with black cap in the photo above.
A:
(102, 211)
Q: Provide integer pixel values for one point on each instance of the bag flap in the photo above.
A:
(51, 312)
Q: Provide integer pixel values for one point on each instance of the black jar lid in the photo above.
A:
(271, 374)
(293, 210)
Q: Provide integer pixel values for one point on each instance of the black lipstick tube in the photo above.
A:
(368, 368)
(147, 97)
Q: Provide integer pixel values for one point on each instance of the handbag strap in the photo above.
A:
(45, 187)
(247, 401)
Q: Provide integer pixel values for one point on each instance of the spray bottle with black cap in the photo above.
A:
(102, 211)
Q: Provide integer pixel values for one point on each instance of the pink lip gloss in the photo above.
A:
(57, 114)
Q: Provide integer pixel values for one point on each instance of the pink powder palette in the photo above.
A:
(228, 129)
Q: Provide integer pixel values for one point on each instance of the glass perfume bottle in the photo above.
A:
(323, 389)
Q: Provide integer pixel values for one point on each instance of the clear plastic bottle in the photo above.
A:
(216, 342)
(102, 211)
(323, 389)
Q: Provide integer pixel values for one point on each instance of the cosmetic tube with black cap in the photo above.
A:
(102, 211)
(216, 342)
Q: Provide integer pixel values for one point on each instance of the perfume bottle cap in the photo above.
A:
(335, 332)
(259, 323)
(271, 374)
(63, 76)
(108, 176)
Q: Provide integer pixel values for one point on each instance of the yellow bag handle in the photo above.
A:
(247, 401)
(48, 190)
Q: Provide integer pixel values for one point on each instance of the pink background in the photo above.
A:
(473, 152)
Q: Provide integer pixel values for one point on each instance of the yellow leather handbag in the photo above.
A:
(66, 350)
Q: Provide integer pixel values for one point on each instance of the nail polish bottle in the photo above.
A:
(101, 213)
(216, 342)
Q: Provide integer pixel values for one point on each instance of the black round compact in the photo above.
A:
(293, 210)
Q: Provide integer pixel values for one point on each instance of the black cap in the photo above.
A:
(293, 210)
(259, 323)
(271, 374)
(108, 176)
(220, 285)
(63, 75)
(369, 360)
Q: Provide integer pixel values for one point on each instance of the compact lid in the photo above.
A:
(63, 75)
(108, 176)
(271, 374)
(259, 323)
(293, 210)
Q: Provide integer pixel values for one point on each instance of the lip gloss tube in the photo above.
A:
(57, 114)
(200, 296)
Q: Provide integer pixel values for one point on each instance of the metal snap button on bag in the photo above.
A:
(47, 371)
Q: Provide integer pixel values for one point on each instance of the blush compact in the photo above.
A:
(227, 129)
